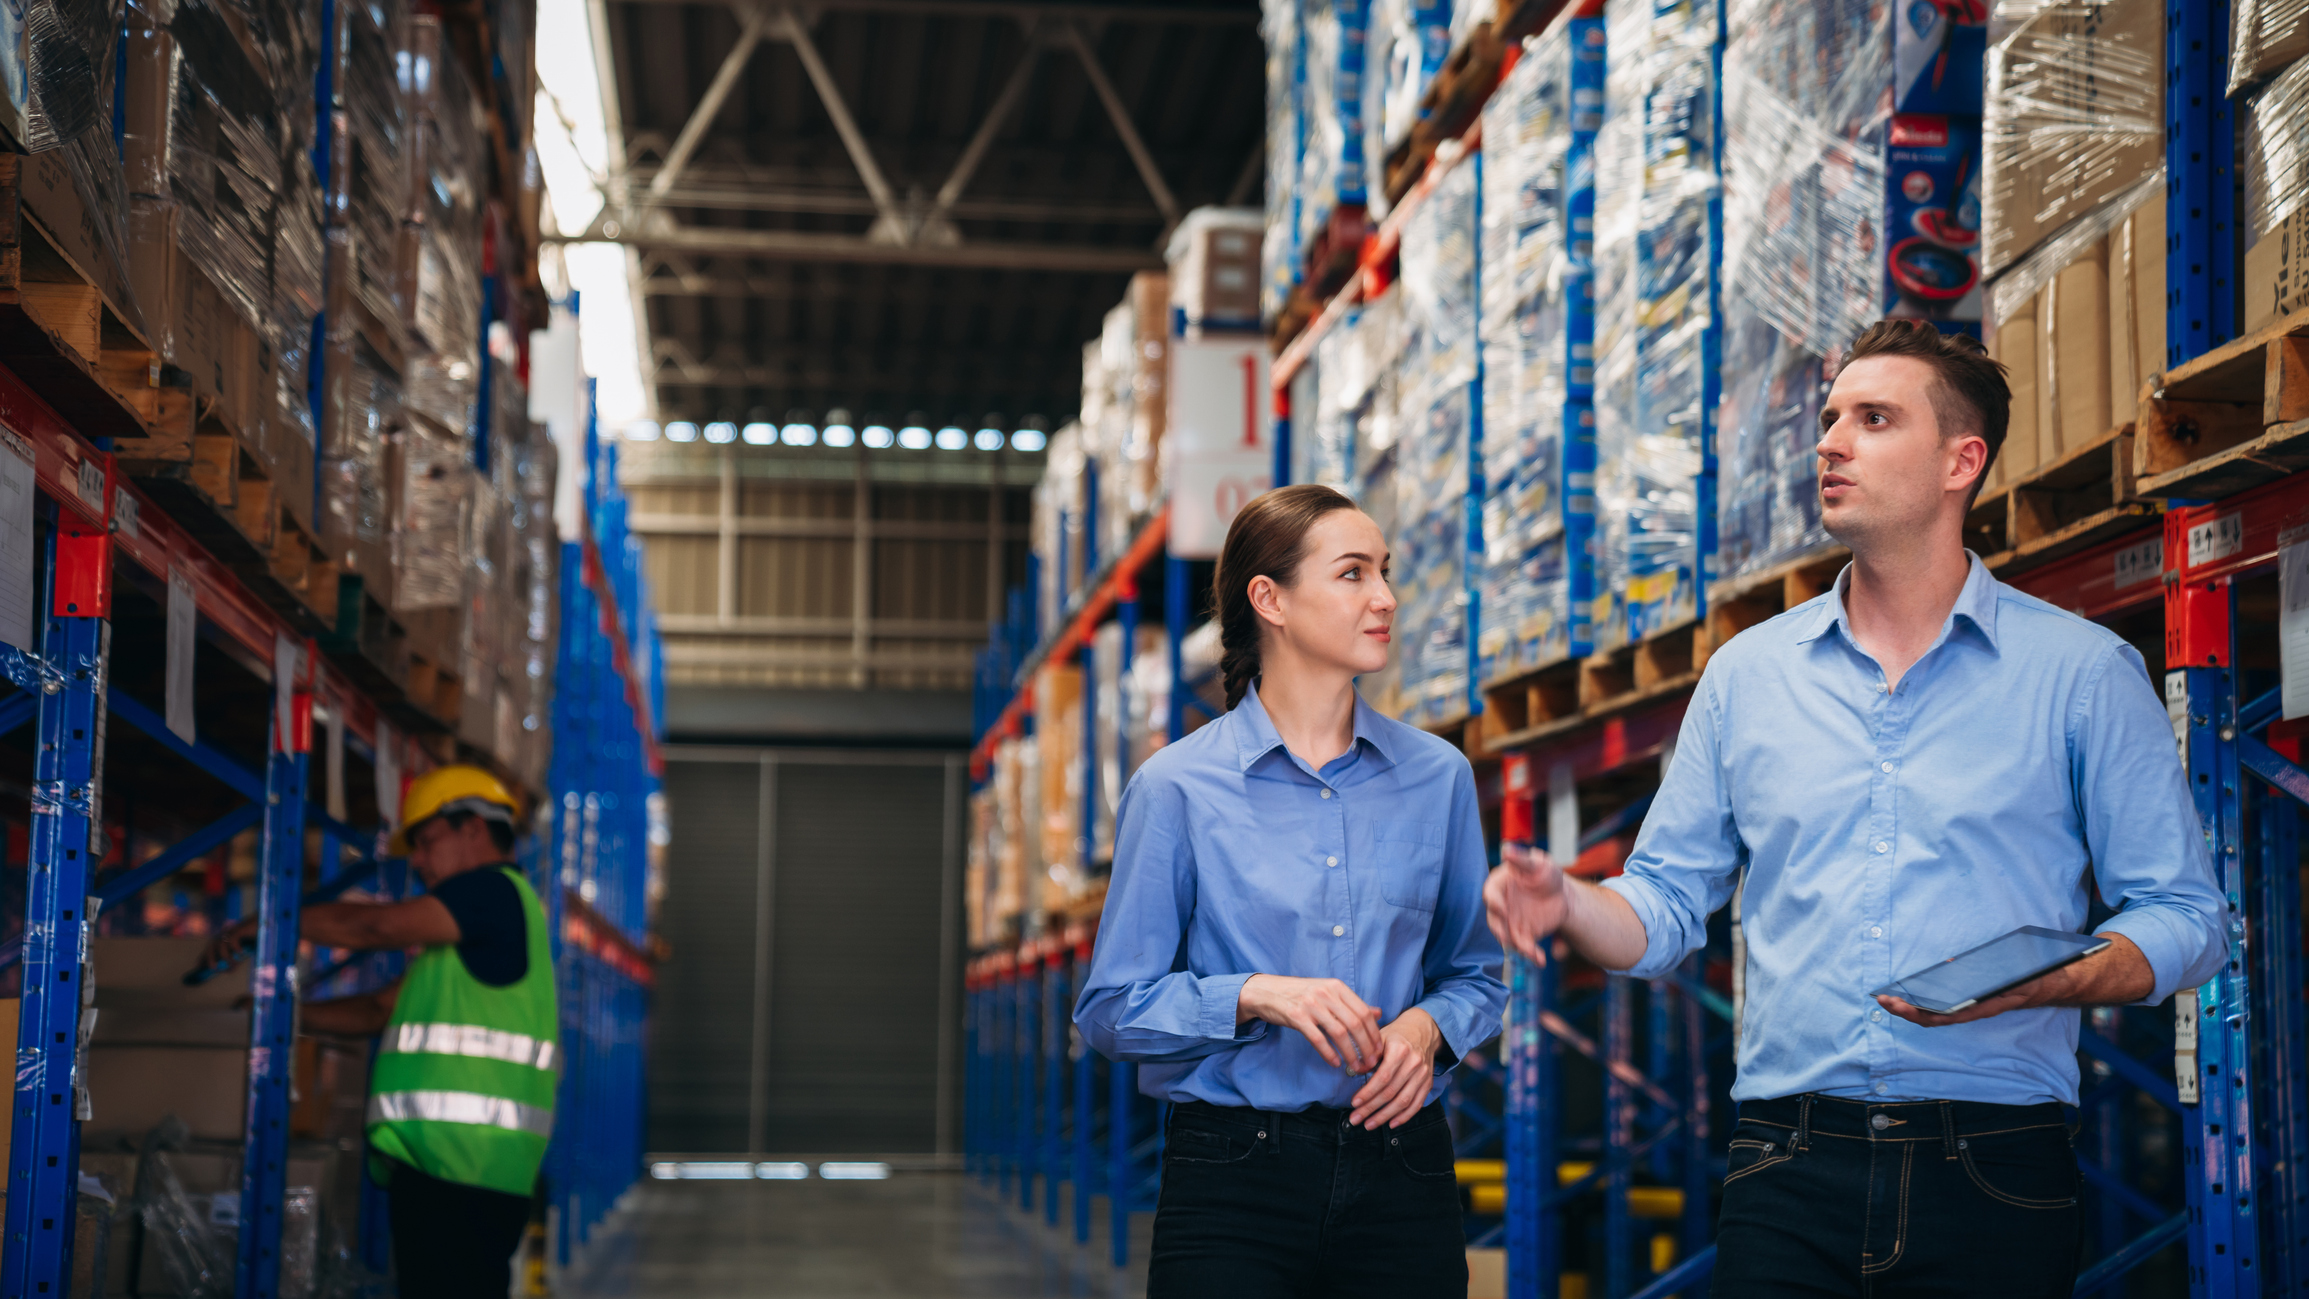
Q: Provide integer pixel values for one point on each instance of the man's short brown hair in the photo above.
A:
(1970, 395)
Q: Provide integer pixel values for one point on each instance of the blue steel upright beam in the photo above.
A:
(1534, 1256)
(273, 988)
(2274, 944)
(1056, 1158)
(1085, 1109)
(2223, 1229)
(67, 783)
(1619, 1131)
(2200, 198)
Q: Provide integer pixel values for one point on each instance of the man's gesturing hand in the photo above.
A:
(1344, 1030)
(1524, 901)
(1398, 1087)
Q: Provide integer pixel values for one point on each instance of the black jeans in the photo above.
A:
(1957, 1198)
(1279, 1206)
(450, 1240)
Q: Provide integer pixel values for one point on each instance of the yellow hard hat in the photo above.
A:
(460, 788)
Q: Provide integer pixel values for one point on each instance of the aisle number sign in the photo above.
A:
(1221, 431)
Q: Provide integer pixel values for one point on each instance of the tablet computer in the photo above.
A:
(1969, 977)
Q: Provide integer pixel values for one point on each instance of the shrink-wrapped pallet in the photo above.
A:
(439, 248)
(1059, 875)
(1332, 153)
(1282, 30)
(1214, 271)
(2273, 154)
(1538, 575)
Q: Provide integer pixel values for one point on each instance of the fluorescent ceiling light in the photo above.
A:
(641, 430)
(914, 437)
(721, 432)
(853, 1172)
(990, 439)
(1027, 439)
(951, 438)
(782, 1172)
(681, 431)
(839, 435)
(878, 437)
(798, 435)
(758, 434)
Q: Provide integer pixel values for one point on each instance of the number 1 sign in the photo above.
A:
(1220, 431)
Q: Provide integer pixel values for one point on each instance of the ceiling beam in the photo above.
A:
(701, 118)
(804, 245)
(1120, 116)
(1017, 10)
(975, 152)
(730, 193)
(830, 95)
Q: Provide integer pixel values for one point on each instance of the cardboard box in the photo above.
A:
(2076, 353)
(2277, 272)
(2074, 116)
(2015, 344)
(1931, 264)
(2136, 262)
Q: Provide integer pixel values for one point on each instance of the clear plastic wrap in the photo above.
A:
(2273, 152)
(1407, 44)
(434, 516)
(207, 135)
(370, 189)
(1058, 733)
(1768, 502)
(1537, 335)
(2265, 37)
(2074, 117)
(188, 1197)
(364, 407)
(1107, 752)
(441, 245)
(1279, 251)
(70, 81)
(1334, 159)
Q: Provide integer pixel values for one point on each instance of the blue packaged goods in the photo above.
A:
(1932, 219)
(1937, 49)
(1538, 324)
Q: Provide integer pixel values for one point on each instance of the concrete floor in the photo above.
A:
(915, 1236)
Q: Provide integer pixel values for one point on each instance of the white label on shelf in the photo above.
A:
(183, 626)
(2293, 624)
(2216, 539)
(123, 512)
(2142, 563)
(288, 657)
(1221, 432)
(2177, 708)
(19, 484)
(91, 485)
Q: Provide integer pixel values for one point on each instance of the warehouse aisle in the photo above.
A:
(917, 1235)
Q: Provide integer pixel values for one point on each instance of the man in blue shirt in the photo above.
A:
(1916, 763)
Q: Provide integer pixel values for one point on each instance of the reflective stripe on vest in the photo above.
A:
(461, 1107)
(470, 1040)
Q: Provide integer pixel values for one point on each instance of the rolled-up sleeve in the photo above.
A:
(1688, 855)
(2141, 827)
(1141, 1002)
(1461, 993)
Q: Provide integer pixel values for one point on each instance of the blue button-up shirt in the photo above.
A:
(1233, 857)
(1884, 830)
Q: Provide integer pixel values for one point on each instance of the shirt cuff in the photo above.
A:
(2152, 932)
(1659, 955)
(1451, 1022)
(1222, 998)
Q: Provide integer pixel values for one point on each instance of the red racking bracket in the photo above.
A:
(83, 570)
(2197, 605)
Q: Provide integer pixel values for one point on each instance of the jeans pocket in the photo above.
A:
(1426, 1153)
(1198, 1143)
(1753, 1154)
(2031, 1169)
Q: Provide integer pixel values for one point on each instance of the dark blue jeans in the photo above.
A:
(1936, 1198)
(1302, 1206)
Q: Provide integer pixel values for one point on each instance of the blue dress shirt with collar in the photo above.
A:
(1233, 857)
(2024, 757)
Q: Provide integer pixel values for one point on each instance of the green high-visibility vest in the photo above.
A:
(464, 1082)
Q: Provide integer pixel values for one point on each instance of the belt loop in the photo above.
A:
(1948, 1129)
(1274, 1123)
(1804, 1122)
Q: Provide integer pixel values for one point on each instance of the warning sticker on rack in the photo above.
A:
(183, 627)
(91, 485)
(19, 485)
(2216, 539)
(2142, 563)
(2293, 623)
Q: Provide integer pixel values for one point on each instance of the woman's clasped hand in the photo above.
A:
(1346, 1032)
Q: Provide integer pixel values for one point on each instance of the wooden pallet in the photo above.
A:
(69, 327)
(2234, 418)
(1536, 703)
(2086, 496)
(224, 497)
(1454, 99)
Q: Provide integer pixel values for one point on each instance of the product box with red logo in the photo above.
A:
(1931, 245)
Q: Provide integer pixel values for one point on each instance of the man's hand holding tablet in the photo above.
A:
(2052, 969)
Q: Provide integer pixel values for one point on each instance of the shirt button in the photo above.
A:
(1887, 766)
(1876, 1017)
(1330, 861)
(1882, 1088)
(1326, 793)
(1338, 931)
(1882, 846)
(1876, 931)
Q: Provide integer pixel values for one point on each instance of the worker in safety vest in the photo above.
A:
(461, 1099)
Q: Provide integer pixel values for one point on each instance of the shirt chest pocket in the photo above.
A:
(1410, 856)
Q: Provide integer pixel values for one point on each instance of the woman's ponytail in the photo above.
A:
(1267, 539)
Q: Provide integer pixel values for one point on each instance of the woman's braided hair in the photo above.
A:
(1267, 539)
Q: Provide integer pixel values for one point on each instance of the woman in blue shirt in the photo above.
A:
(1294, 948)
